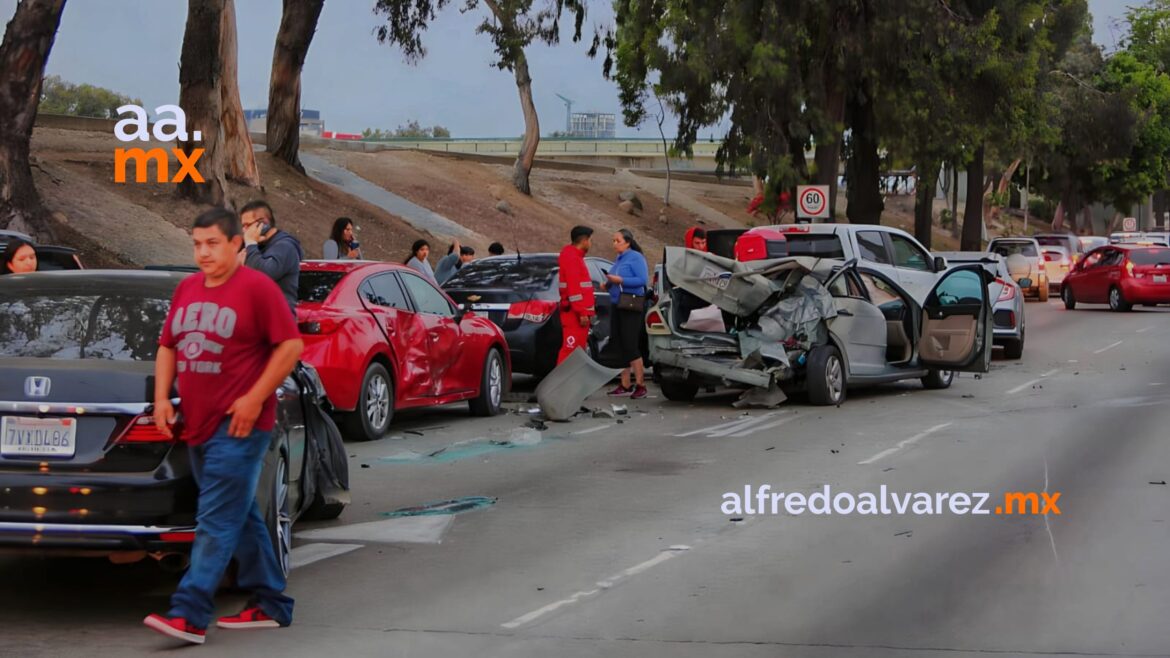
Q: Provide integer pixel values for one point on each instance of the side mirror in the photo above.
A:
(940, 263)
(1025, 282)
(461, 312)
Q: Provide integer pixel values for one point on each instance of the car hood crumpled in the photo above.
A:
(735, 287)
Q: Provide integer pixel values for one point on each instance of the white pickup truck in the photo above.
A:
(888, 250)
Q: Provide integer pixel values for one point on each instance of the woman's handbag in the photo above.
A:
(628, 301)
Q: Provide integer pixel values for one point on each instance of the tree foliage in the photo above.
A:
(412, 130)
(83, 100)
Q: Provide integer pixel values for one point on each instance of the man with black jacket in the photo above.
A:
(271, 250)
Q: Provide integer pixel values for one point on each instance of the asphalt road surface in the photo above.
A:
(607, 538)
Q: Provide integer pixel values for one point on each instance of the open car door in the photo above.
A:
(956, 331)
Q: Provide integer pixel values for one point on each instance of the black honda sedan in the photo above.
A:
(83, 471)
(519, 293)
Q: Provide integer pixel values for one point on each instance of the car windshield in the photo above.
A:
(813, 244)
(511, 273)
(64, 324)
(1149, 256)
(1006, 249)
(316, 286)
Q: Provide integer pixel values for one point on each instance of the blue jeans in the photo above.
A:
(229, 523)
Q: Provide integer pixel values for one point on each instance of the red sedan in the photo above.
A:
(383, 338)
(1120, 275)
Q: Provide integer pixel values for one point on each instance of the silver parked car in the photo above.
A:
(821, 325)
(1007, 308)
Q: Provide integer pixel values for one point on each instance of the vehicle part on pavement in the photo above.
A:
(455, 506)
(563, 391)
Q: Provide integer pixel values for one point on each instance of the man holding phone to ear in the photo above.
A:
(271, 250)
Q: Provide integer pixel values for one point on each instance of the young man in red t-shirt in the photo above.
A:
(231, 340)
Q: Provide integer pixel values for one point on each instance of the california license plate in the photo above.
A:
(1159, 278)
(37, 437)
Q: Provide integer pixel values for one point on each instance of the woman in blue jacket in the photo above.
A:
(630, 275)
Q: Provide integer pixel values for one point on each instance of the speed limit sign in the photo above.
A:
(812, 202)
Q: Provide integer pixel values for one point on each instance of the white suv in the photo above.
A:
(891, 251)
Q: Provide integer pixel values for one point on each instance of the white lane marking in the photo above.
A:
(604, 584)
(1157, 384)
(728, 427)
(1032, 381)
(592, 430)
(902, 444)
(309, 553)
(1109, 347)
(746, 428)
(761, 428)
(1022, 386)
(1051, 538)
(1145, 329)
(1073, 361)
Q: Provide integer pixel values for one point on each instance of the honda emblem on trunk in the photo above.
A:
(37, 387)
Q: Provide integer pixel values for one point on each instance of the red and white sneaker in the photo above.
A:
(249, 618)
(176, 627)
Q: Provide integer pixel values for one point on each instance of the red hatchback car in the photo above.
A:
(1120, 275)
(383, 338)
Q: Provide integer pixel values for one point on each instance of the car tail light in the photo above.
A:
(794, 229)
(535, 310)
(1129, 268)
(1008, 292)
(320, 326)
(1050, 257)
(142, 430)
(655, 324)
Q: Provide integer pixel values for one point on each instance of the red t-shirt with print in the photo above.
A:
(223, 338)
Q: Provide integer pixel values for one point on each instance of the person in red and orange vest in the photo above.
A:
(576, 288)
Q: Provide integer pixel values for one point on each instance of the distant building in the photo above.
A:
(311, 122)
(593, 125)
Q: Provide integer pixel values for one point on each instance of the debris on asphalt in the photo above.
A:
(767, 449)
(619, 409)
(834, 451)
(437, 452)
(365, 465)
(903, 533)
(887, 469)
(454, 506)
(736, 519)
(604, 413)
(755, 396)
(978, 376)
(536, 424)
(524, 436)
(414, 432)
(968, 395)
(1163, 483)
(563, 391)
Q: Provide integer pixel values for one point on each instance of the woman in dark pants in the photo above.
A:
(629, 275)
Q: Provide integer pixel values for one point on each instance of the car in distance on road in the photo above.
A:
(1091, 242)
(1024, 261)
(1070, 242)
(383, 338)
(1007, 309)
(520, 294)
(1119, 275)
(83, 471)
(1057, 263)
(819, 325)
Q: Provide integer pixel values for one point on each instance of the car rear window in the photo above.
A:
(316, 286)
(1150, 256)
(510, 273)
(1006, 249)
(64, 325)
(1053, 241)
(817, 245)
